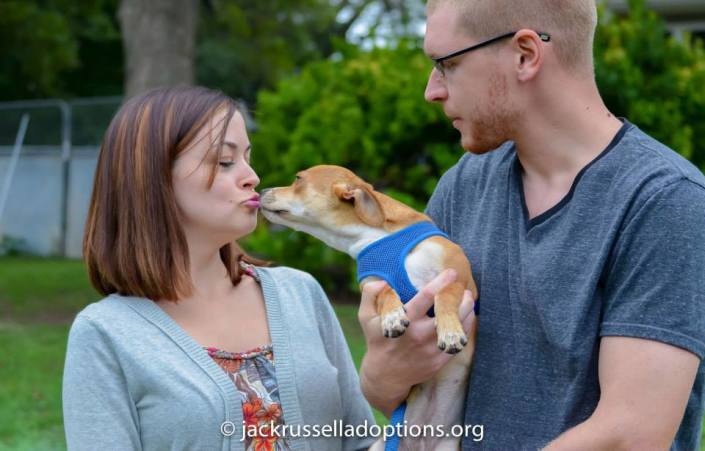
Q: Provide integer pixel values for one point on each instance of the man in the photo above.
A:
(587, 239)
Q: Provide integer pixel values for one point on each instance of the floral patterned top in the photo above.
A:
(252, 372)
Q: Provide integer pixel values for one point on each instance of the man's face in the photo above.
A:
(474, 91)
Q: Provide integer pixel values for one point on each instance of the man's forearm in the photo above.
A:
(603, 434)
(589, 435)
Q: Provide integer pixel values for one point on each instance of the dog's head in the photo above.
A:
(325, 201)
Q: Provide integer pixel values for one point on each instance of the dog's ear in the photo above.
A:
(367, 207)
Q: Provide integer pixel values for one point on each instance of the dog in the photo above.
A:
(336, 206)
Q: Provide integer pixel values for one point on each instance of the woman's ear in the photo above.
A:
(367, 207)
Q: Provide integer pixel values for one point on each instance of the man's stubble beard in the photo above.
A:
(494, 123)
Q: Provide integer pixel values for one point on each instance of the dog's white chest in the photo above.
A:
(424, 263)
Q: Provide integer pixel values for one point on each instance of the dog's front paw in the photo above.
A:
(395, 322)
(452, 342)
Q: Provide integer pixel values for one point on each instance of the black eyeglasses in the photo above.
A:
(438, 62)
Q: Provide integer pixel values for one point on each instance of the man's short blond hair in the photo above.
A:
(571, 23)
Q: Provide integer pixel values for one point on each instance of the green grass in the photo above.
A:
(38, 299)
(30, 393)
(43, 290)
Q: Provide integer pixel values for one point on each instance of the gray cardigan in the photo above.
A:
(133, 379)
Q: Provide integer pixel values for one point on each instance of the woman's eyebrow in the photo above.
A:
(234, 146)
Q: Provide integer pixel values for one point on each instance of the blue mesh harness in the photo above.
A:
(385, 258)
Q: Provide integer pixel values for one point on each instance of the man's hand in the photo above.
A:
(392, 366)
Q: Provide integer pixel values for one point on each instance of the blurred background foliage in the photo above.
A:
(365, 110)
(654, 80)
(73, 48)
(340, 82)
(59, 48)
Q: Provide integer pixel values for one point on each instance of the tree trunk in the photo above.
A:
(159, 39)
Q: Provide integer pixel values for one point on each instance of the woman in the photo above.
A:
(196, 345)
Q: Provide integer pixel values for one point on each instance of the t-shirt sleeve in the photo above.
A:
(655, 287)
(98, 410)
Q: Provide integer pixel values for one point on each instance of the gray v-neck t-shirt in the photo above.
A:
(623, 254)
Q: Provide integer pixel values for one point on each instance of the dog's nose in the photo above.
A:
(264, 192)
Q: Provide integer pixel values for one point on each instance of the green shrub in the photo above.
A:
(11, 246)
(654, 80)
(365, 110)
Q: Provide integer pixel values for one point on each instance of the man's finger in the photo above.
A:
(466, 306)
(368, 306)
(418, 306)
(468, 322)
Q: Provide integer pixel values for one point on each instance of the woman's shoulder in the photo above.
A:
(112, 310)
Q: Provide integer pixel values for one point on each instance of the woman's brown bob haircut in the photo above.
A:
(133, 243)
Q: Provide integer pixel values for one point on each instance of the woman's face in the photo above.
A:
(221, 213)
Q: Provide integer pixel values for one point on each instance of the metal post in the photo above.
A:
(65, 172)
(19, 140)
(65, 111)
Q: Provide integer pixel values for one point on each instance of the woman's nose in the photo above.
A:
(249, 179)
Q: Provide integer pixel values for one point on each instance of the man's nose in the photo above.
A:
(436, 90)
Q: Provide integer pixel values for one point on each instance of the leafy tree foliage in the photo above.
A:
(54, 48)
(244, 46)
(73, 48)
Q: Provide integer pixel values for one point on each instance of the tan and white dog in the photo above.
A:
(334, 205)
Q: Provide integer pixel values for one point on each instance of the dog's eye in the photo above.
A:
(297, 178)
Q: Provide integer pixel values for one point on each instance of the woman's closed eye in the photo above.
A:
(228, 160)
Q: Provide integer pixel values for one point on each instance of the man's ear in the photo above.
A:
(529, 54)
(367, 207)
